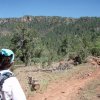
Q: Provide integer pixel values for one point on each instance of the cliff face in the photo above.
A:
(26, 19)
(21, 19)
(38, 18)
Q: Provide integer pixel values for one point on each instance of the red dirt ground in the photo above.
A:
(65, 89)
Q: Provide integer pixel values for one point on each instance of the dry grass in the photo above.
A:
(91, 91)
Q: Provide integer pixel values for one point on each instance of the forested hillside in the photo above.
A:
(42, 39)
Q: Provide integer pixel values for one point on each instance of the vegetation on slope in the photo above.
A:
(48, 39)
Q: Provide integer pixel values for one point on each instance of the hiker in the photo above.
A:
(10, 88)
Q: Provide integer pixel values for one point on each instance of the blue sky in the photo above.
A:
(64, 8)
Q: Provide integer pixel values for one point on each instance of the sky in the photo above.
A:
(63, 8)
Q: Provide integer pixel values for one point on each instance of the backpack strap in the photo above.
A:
(5, 76)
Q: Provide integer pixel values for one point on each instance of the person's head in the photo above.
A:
(6, 58)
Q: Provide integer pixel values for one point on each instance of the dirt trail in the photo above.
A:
(66, 89)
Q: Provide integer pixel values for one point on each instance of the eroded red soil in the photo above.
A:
(65, 89)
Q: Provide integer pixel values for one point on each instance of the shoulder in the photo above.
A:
(7, 79)
(4, 75)
(10, 83)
